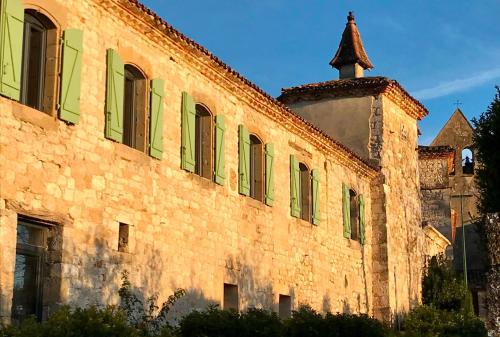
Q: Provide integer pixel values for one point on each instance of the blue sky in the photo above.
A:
(440, 51)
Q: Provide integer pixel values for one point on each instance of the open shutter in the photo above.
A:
(220, 129)
(346, 211)
(114, 96)
(362, 219)
(269, 174)
(11, 47)
(315, 197)
(244, 167)
(69, 105)
(156, 120)
(188, 132)
(294, 187)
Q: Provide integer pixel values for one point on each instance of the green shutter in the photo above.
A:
(69, 105)
(294, 187)
(114, 96)
(316, 215)
(188, 132)
(269, 174)
(220, 129)
(11, 47)
(346, 211)
(362, 219)
(156, 119)
(244, 167)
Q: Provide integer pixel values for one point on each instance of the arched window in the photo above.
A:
(203, 142)
(354, 213)
(467, 161)
(134, 108)
(256, 168)
(38, 70)
(305, 192)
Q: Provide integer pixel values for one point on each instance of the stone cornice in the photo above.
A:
(191, 55)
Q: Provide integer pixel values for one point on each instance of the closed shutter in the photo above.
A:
(11, 47)
(362, 219)
(69, 105)
(294, 187)
(269, 174)
(220, 130)
(156, 120)
(346, 211)
(188, 132)
(114, 96)
(244, 167)
(316, 215)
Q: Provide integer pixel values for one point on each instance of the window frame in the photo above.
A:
(204, 132)
(257, 175)
(135, 108)
(355, 220)
(305, 203)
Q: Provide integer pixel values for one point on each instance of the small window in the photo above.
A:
(134, 109)
(305, 192)
(230, 297)
(31, 250)
(123, 233)
(256, 168)
(467, 161)
(204, 142)
(285, 307)
(354, 212)
(38, 72)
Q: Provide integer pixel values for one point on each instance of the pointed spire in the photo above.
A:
(351, 50)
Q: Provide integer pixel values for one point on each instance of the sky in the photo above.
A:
(439, 51)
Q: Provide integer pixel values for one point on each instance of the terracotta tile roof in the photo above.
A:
(351, 48)
(151, 17)
(435, 151)
(354, 87)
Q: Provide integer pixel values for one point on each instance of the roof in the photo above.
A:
(355, 87)
(449, 127)
(351, 48)
(168, 30)
(435, 151)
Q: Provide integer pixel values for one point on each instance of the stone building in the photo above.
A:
(128, 146)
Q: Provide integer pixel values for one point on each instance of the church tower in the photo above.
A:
(376, 118)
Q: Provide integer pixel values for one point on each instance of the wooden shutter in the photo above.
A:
(294, 187)
(11, 47)
(114, 96)
(316, 215)
(269, 174)
(346, 211)
(188, 132)
(156, 119)
(220, 129)
(69, 105)
(362, 219)
(244, 161)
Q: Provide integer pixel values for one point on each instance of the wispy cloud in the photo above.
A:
(458, 85)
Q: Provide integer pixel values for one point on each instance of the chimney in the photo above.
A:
(351, 59)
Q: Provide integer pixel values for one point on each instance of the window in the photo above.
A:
(467, 161)
(285, 306)
(305, 192)
(31, 250)
(230, 297)
(134, 109)
(256, 168)
(203, 142)
(354, 213)
(38, 69)
(123, 233)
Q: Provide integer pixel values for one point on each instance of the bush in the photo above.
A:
(211, 322)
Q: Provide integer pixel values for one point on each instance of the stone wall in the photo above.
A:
(185, 231)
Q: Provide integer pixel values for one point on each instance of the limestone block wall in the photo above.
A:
(185, 231)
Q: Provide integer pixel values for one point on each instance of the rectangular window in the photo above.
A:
(285, 307)
(31, 250)
(354, 213)
(123, 233)
(230, 297)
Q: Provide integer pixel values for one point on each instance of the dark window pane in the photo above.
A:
(305, 192)
(25, 300)
(256, 169)
(129, 111)
(203, 142)
(31, 235)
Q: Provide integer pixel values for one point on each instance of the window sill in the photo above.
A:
(130, 154)
(34, 116)
(255, 203)
(353, 244)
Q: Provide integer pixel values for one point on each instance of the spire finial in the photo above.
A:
(350, 17)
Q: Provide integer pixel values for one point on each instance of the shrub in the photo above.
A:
(260, 323)
(211, 322)
(305, 322)
(341, 325)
